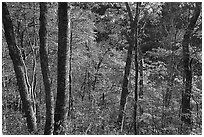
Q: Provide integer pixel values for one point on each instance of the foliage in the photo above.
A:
(98, 61)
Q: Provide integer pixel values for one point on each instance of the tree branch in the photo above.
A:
(129, 12)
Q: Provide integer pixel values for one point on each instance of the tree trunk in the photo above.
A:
(97, 68)
(124, 93)
(49, 97)
(172, 33)
(70, 107)
(136, 74)
(20, 70)
(171, 61)
(186, 94)
(62, 73)
(141, 85)
(131, 42)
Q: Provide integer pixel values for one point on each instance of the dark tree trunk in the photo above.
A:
(20, 70)
(49, 97)
(61, 108)
(131, 41)
(141, 85)
(186, 94)
(136, 129)
(124, 92)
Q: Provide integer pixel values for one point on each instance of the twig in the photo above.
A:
(89, 127)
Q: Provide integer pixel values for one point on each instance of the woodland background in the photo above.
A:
(102, 68)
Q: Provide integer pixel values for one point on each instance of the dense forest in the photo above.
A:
(102, 68)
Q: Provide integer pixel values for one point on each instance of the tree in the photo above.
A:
(20, 70)
(131, 41)
(186, 95)
(170, 42)
(98, 37)
(70, 105)
(62, 73)
(136, 71)
(49, 97)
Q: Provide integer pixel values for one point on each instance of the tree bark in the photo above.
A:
(186, 94)
(131, 42)
(141, 85)
(170, 64)
(136, 129)
(70, 107)
(20, 70)
(49, 97)
(62, 73)
(172, 40)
